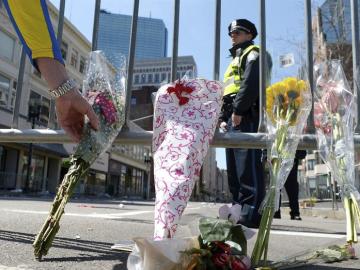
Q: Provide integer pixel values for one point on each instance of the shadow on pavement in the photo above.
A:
(119, 267)
(319, 267)
(98, 250)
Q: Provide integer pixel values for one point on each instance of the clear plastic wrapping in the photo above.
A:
(104, 88)
(335, 118)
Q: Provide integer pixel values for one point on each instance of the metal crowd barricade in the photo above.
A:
(242, 140)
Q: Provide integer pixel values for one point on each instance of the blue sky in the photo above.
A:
(284, 26)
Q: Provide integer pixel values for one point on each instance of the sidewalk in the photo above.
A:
(320, 209)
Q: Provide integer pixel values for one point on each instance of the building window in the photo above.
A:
(150, 78)
(44, 104)
(137, 79)
(133, 101)
(163, 77)
(4, 90)
(64, 50)
(157, 78)
(74, 58)
(13, 97)
(44, 111)
(143, 78)
(310, 164)
(7, 46)
(82, 64)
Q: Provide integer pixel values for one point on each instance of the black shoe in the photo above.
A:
(277, 215)
(295, 217)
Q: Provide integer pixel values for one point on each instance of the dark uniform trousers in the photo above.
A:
(245, 174)
(292, 190)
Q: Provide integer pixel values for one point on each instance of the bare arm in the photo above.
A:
(71, 107)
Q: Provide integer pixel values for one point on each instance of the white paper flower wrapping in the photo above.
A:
(184, 124)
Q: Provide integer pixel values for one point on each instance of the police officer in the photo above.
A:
(240, 113)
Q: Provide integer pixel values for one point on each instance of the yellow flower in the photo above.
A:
(282, 97)
(301, 85)
(291, 83)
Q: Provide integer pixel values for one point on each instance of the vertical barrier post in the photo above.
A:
(216, 75)
(263, 66)
(19, 86)
(355, 52)
(96, 26)
(310, 63)
(175, 41)
(131, 60)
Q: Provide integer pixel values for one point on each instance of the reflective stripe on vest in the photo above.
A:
(233, 73)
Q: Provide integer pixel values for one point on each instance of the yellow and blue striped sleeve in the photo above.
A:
(32, 23)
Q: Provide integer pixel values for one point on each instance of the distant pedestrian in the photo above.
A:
(292, 188)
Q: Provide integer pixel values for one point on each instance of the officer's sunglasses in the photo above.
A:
(237, 32)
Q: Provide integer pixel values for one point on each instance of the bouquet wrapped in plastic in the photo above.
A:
(335, 118)
(288, 104)
(222, 243)
(104, 89)
(185, 119)
(149, 254)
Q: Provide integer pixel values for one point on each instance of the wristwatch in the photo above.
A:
(63, 88)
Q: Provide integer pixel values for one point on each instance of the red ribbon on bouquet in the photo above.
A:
(178, 90)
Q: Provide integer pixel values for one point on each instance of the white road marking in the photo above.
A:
(309, 234)
(20, 267)
(92, 215)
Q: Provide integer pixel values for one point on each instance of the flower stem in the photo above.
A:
(45, 237)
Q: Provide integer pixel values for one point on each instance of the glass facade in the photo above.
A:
(124, 180)
(114, 36)
(7, 46)
(336, 20)
(36, 171)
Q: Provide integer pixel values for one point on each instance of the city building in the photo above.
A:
(44, 164)
(148, 76)
(335, 16)
(153, 72)
(114, 36)
(49, 162)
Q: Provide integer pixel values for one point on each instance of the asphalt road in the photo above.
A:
(89, 228)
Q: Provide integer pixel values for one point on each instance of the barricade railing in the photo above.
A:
(220, 140)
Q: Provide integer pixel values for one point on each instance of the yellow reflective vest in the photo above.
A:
(233, 74)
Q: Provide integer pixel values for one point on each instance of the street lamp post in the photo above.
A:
(33, 116)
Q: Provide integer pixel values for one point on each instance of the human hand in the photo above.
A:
(223, 126)
(71, 109)
(235, 119)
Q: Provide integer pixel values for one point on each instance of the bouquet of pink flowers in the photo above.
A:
(185, 120)
(335, 117)
(104, 88)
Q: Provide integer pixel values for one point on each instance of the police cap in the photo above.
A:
(243, 25)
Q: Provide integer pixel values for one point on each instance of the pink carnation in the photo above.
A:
(107, 108)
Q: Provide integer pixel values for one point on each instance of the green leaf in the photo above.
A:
(213, 229)
(237, 235)
(332, 254)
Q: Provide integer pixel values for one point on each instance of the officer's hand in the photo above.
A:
(71, 109)
(236, 120)
(223, 126)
